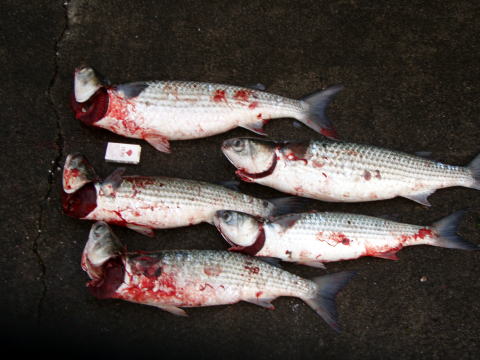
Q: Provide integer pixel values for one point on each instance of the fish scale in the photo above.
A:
(315, 238)
(144, 203)
(160, 111)
(171, 279)
(202, 94)
(189, 193)
(344, 172)
(392, 165)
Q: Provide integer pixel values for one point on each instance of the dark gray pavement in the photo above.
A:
(412, 83)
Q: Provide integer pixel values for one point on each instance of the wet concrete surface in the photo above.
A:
(411, 80)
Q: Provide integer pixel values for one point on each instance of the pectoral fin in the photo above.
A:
(159, 142)
(112, 182)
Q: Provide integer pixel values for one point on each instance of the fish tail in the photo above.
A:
(323, 301)
(287, 205)
(447, 228)
(315, 115)
(474, 167)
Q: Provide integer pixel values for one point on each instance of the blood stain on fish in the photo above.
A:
(219, 96)
(253, 105)
(253, 269)
(242, 95)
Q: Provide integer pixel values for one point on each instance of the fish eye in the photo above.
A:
(238, 145)
(227, 217)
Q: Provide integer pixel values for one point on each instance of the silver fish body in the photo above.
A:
(146, 203)
(345, 172)
(159, 111)
(191, 278)
(315, 238)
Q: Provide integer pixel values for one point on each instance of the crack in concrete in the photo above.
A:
(59, 143)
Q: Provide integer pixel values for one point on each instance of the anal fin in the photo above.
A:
(170, 308)
(159, 142)
(389, 255)
(265, 303)
(420, 198)
(256, 127)
(173, 310)
(315, 264)
(141, 229)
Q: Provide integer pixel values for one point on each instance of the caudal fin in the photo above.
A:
(315, 116)
(287, 205)
(447, 228)
(474, 167)
(323, 302)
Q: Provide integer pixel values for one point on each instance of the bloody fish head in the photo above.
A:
(77, 172)
(90, 97)
(79, 196)
(237, 228)
(102, 260)
(252, 156)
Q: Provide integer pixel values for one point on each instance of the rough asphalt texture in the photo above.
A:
(411, 76)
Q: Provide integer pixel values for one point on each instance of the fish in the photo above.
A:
(174, 279)
(316, 238)
(144, 203)
(336, 171)
(160, 111)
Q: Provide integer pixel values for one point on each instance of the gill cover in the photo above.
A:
(254, 158)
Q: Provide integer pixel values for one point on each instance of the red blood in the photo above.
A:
(113, 275)
(242, 95)
(293, 157)
(204, 286)
(324, 174)
(259, 116)
(252, 269)
(318, 164)
(92, 110)
(422, 233)
(129, 152)
(367, 175)
(80, 203)
(247, 177)
(253, 105)
(69, 175)
(255, 247)
(258, 294)
(219, 96)
(330, 133)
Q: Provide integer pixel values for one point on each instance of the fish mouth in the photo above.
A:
(218, 225)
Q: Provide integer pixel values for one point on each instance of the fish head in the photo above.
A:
(90, 97)
(102, 246)
(77, 172)
(79, 196)
(237, 228)
(249, 154)
(86, 83)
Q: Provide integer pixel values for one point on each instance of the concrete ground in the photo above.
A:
(411, 77)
